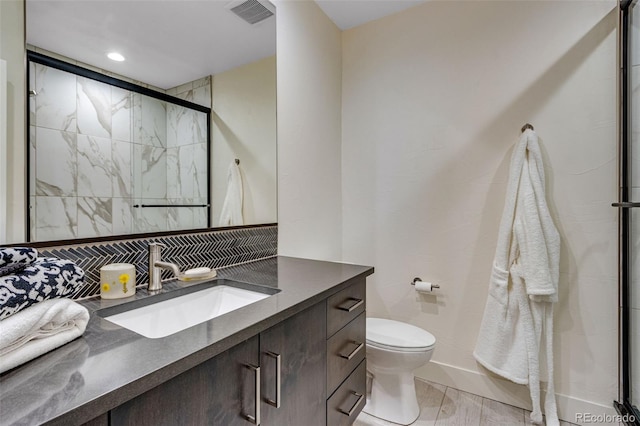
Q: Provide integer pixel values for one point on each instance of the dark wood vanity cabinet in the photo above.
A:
(346, 352)
(307, 375)
(220, 391)
(300, 344)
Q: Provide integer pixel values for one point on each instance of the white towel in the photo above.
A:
(524, 282)
(231, 213)
(40, 329)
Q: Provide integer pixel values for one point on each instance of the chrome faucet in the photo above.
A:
(156, 265)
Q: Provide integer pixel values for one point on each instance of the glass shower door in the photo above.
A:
(629, 398)
(633, 133)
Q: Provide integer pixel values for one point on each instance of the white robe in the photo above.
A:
(524, 282)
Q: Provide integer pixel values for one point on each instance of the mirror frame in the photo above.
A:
(41, 59)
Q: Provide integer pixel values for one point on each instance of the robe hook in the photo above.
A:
(526, 126)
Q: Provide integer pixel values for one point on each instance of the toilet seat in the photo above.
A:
(398, 336)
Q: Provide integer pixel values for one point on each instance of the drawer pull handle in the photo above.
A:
(354, 352)
(353, 408)
(278, 358)
(351, 304)
(255, 420)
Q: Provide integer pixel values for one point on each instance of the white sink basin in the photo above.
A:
(179, 313)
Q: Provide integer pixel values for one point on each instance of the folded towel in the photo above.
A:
(22, 255)
(40, 329)
(231, 213)
(14, 268)
(46, 278)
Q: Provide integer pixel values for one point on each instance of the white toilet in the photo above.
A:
(394, 350)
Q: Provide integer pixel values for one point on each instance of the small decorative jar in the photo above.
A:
(117, 280)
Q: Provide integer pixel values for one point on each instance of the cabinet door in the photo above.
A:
(300, 342)
(220, 391)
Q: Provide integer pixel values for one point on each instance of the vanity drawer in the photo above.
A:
(345, 305)
(345, 350)
(348, 401)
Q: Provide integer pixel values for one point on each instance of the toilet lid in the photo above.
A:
(395, 334)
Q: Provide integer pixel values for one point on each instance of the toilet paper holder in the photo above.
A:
(416, 279)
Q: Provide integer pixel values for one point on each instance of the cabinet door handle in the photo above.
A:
(278, 358)
(354, 352)
(354, 406)
(255, 419)
(350, 304)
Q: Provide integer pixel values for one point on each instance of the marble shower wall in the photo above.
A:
(98, 150)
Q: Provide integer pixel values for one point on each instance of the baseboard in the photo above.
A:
(499, 389)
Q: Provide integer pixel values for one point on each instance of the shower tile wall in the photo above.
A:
(97, 150)
(187, 155)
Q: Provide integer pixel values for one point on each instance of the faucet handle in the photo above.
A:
(155, 244)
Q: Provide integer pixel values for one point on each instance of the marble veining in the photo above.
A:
(151, 163)
(121, 114)
(150, 219)
(57, 167)
(94, 166)
(95, 217)
(98, 150)
(94, 108)
(122, 216)
(57, 218)
(151, 127)
(55, 99)
(193, 169)
(173, 174)
(121, 168)
(181, 217)
(198, 91)
(187, 171)
(200, 214)
(185, 126)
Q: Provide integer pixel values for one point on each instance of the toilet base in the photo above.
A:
(393, 398)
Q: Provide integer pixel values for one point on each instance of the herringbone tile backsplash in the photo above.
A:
(214, 249)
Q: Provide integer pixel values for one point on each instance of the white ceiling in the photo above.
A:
(171, 42)
(351, 13)
(165, 43)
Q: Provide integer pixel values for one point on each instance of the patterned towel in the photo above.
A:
(46, 278)
(15, 259)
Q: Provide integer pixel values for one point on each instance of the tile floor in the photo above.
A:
(441, 405)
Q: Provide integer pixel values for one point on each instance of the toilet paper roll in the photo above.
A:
(424, 287)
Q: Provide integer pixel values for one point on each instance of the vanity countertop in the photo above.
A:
(109, 365)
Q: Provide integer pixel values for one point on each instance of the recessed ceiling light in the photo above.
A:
(115, 56)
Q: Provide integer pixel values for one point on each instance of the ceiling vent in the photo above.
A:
(252, 11)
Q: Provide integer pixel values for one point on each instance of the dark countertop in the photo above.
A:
(109, 365)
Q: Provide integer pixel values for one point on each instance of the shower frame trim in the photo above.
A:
(122, 84)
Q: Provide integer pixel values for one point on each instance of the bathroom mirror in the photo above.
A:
(199, 51)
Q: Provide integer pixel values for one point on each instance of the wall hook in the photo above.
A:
(526, 126)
